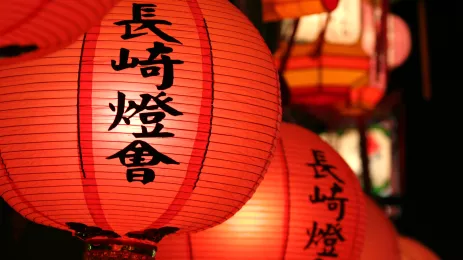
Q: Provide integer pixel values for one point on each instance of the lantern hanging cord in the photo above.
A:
(285, 58)
(381, 39)
(362, 128)
(317, 52)
(424, 52)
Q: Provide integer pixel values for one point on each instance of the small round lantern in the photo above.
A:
(381, 236)
(309, 206)
(275, 10)
(162, 119)
(34, 28)
(411, 249)
(329, 67)
(399, 41)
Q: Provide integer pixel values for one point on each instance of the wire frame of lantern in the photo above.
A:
(275, 10)
(31, 29)
(295, 213)
(162, 119)
(329, 66)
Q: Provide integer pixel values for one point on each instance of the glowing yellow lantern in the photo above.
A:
(330, 65)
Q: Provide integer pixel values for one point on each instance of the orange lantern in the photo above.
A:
(34, 28)
(411, 249)
(159, 120)
(309, 206)
(274, 10)
(330, 67)
(381, 236)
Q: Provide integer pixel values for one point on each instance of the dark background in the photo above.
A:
(433, 189)
(431, 209)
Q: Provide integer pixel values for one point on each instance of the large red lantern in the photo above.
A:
(309, 206)
(161, 119)
(274, 10)
(381, 237)
(329, 65)
(34, 28)
(411, 249)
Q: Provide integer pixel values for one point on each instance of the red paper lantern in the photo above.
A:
(280, 221)
(411, 249)
(275, 10)
(34, 28)
(381, 236)
(165, 126)
(334, 70)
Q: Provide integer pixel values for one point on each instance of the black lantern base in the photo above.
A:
(119, 248)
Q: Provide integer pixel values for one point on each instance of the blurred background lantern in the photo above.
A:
(274, 10)
(379, 150)
(283, 220)
(329, 67)
(411, 249)
(399, 41)
(175, 123)
(381, 237)
(34, 28)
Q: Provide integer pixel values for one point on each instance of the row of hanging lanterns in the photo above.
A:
(334, 65)
(96, 140)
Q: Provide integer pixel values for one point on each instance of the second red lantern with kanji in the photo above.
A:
(161, 119)
(309, 206)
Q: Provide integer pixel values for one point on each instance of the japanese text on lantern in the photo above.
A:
(325, 236)
(152, 107)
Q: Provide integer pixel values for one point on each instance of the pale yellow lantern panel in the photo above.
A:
(379, 150)
(275, 10)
